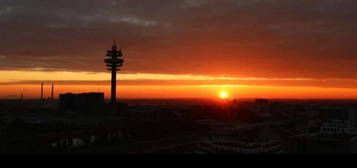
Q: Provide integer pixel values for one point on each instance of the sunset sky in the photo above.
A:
(181, 48)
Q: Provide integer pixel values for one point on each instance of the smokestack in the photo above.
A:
(52, 90)
(42, 91)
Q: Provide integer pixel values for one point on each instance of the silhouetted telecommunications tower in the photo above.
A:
(113, 64)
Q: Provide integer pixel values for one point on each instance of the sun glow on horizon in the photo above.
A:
(223, 95)
(182, 91)
(145, 85)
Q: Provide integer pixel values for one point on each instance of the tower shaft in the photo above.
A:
(113, 89)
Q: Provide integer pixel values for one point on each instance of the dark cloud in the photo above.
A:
(261, 38)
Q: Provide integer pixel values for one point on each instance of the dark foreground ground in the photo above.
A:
(35, 127)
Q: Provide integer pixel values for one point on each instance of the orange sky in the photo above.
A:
(183, 91)
(13, 83)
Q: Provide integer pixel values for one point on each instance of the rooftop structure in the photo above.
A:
(247, 138)
(88, 103)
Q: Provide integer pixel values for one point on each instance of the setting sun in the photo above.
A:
(223, 95)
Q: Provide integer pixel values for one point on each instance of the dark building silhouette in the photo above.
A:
(85, 103)
(113, 63)
(261, 101)
(122, 108)
(338, 113)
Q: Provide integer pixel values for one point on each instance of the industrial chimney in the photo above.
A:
(42, 91)
(52, 90)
